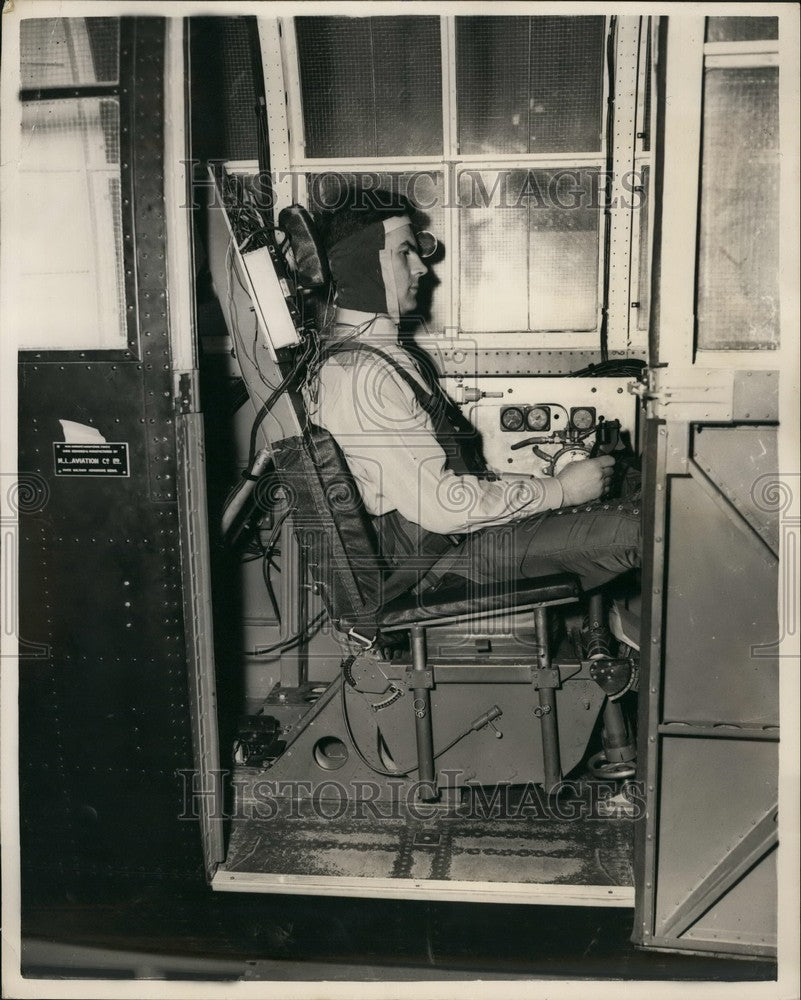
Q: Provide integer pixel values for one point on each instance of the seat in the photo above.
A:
(365, 596)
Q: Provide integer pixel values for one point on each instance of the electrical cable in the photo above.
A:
(268, 583)
(270, 402)
(611, 367)
(400, 772)
(286, 644)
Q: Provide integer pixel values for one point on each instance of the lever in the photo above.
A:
(486, 720)
(473, 395)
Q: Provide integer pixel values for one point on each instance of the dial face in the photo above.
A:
(512, 419)
(582, 417)
(538, 418)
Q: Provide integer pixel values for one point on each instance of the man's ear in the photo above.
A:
(390, 288)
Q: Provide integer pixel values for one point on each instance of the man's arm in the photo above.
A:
(392, 450)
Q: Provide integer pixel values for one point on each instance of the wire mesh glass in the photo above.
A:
(238, 90)
(72, 292)
(69, 51)
(529, 84)
(528, 249)
(741, 29)
(738, 266)
(426, 191)
(370, 86)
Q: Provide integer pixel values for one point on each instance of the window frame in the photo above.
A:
(692, 56)
(120, 92)
(618, 228)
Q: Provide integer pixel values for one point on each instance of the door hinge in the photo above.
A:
(187, 394)
(687, 394)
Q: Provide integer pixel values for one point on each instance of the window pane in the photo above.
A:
(424, 189)
(529, 250)
(493, 279)
(741, 29)
(529, 84)
(68, 51)
(72, 286)
(370, 86)
(738, 271)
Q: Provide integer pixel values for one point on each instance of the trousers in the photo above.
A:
(596, 541)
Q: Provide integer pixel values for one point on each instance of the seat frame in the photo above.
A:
(364, 596)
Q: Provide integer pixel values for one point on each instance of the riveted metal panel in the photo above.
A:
(104, 720)
(710, 673)
(709, 704)
(149, 243)
(101, 586)
(713, 794)
(456, 360)
(756, 395)
(709, 707)
(752, 897)
(738, 462)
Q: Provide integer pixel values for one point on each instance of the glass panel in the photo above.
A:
(738, 268)
(370, 86)
(741, 29)
(426, 190)
(529, 250)
(72, 291)
(238, 90)
(69, 51)
(493, 279)
(529, 84)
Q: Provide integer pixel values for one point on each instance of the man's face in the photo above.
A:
(407, 267)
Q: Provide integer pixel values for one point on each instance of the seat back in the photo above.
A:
(333, 526)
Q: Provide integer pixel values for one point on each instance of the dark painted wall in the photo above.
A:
(104, 720)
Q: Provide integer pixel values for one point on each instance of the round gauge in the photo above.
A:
(538, 418)
(512, 418)
(582, 417)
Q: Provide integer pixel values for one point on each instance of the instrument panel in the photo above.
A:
(535, 425)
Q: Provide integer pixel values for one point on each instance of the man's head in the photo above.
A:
(373, 252)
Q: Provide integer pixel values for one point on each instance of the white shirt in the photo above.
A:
(390, 444)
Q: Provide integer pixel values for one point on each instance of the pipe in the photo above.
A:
(422, 721)
(246, 487)
(552, 766)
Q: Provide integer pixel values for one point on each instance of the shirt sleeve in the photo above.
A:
(392, 450)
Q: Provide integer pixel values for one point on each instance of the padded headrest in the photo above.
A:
(310, 259)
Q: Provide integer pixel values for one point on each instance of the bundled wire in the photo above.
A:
(250, 228)
(267, 554)
(295, 373)
(622, 368)
(304, 635)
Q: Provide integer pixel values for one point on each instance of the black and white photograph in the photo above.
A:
(400, 504)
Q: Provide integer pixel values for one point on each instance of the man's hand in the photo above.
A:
(586, 480)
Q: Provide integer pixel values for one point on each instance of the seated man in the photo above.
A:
(409, 448)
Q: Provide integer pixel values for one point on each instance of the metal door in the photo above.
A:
(709, 716)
